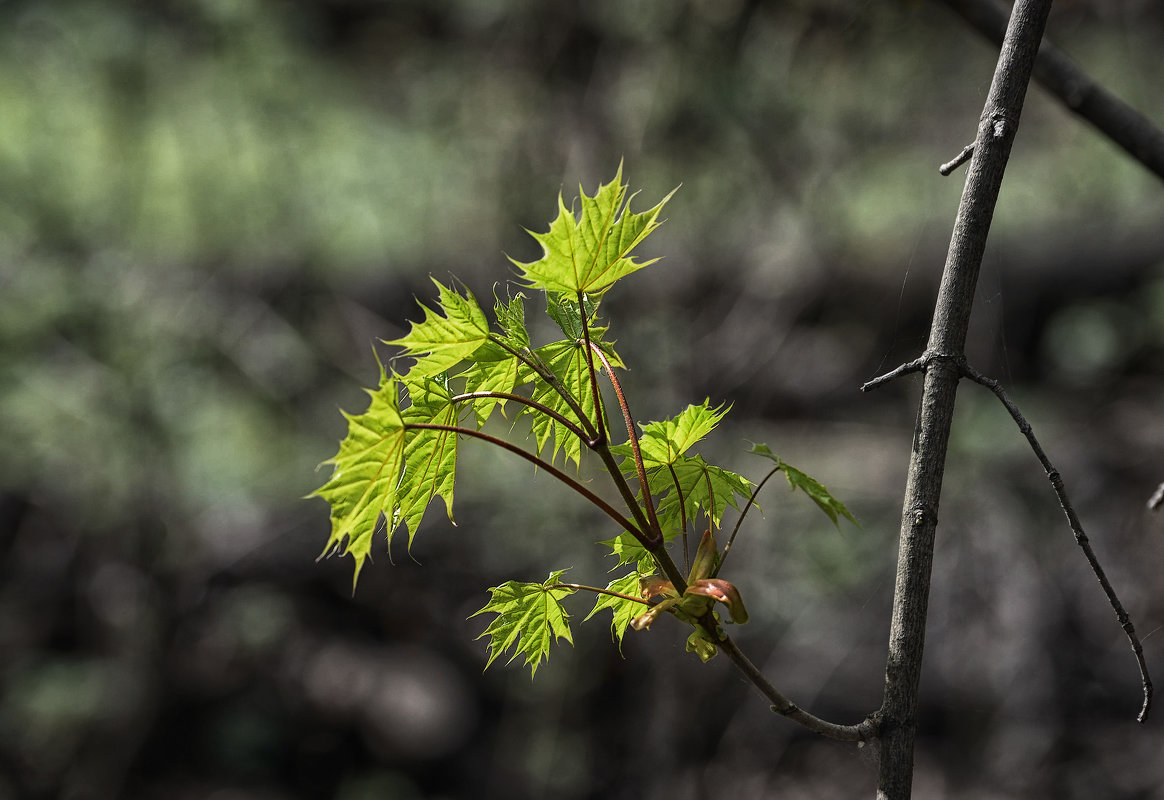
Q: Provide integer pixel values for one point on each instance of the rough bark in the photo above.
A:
(942, 364)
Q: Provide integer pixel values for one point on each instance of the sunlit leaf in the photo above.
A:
(628, 550)
(511, 320)
(492, 369)
(664, 442)
(567, 360)
(589, 252)
(674, 476)
(366, 474)
(705, 488)
(430, 456)
(441, 342)
(798, 480)
(530, 617)
(622, 609)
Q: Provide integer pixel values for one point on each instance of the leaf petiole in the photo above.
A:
(633, 438)
(539, 407)
(584, 588)
(740, 521)
(609, 510)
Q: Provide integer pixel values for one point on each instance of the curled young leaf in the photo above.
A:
(654, 585)
(702, 645)
(706, 557)
(644, 620)
(724, 592)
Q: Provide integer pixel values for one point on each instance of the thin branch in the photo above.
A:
(608, 509)
(957, 161)
(861, 732)
(1064, 79)
(1076, 528)
(1157, 498)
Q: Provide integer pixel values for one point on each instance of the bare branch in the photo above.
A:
(917, 365)
(1157, 498)
(996, 131)
(861, 732)
(1076, 528)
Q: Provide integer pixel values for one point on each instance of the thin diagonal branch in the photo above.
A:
(531, 360)
(682, 517)
(1076, 528)
(583, 587)
(594, 391)
(861, 732)
(1064, 79)
(957, 161)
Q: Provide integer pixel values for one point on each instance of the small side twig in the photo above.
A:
(957, 161)
(917, 365)
(1076, 528)
(1157, 498)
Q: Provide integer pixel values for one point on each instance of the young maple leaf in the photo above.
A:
(441, 342)
(530, 617)
(590, 252)
(622, 609)
(363, 484)
(830, 505)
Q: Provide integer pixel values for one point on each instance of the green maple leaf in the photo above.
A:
(430, 456)
(665, 441)
(366, 474)
(588, 253)
(493, 369)
(628, 550)
(685, 485)
(568, 362)
(511, 319)
(622, 609)
(831, 506)
(704, 488)
(445, 339)
(530, 617)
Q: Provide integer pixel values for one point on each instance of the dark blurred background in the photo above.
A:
(211, 210)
